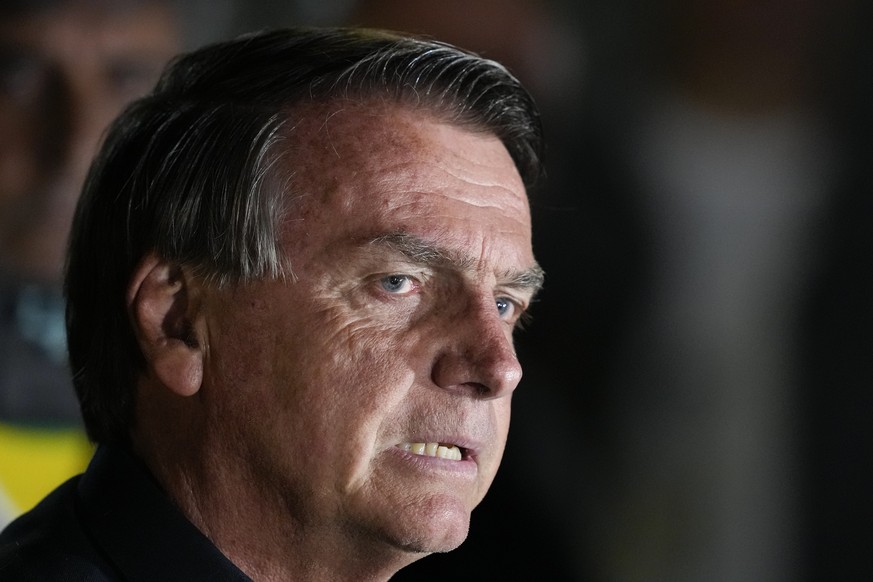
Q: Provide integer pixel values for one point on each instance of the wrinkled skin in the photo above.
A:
(409, 241)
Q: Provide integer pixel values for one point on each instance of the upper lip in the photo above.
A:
(467, 429)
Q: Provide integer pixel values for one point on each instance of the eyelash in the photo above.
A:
(518, 314)
(509, 303)
(413, 283)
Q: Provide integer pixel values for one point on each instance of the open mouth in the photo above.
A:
(448, 451)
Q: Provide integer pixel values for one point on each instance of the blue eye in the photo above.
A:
(397, 283)
(505, 307)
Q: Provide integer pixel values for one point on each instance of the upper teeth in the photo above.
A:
(433, 450)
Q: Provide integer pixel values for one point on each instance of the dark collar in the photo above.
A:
(144, 535)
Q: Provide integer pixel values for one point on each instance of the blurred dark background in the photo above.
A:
(698, 382)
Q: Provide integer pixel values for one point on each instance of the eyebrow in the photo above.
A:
(421, 251)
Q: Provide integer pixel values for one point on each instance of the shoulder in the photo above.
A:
(50, 543)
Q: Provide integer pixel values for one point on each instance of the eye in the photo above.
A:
(397, 284)
(506, 308)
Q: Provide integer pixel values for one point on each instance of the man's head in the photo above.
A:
(294, 275)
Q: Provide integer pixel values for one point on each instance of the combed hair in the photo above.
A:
(187, 173)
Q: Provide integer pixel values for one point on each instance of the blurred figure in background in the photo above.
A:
(709, 184)
(837, 341)
(734, 160)
(67, 67)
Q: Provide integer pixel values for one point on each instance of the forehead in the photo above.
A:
(405, 171)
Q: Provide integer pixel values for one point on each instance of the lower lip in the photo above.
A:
(466, 467)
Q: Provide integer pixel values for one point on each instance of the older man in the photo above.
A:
(292, 285)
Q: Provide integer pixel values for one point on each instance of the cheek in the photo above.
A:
(503, 412)
(340, 380)
(320, 382)
(367, 367)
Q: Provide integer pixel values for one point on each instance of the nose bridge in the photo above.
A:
(480, 358)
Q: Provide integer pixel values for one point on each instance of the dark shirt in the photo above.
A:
(112, 523)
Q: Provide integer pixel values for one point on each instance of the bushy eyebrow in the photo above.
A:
(530, 279)
(416, 249)
(421, 251)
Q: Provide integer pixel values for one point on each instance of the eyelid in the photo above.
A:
(520, 313)
(376, 282)
(414, 283)
(412, 270)
(521, 299)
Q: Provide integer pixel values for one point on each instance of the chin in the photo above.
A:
(435, 526)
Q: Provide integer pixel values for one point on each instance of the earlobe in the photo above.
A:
(162, 303)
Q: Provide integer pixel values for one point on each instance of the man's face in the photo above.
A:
(65, 72)
(410, 244)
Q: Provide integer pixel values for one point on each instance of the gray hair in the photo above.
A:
(186, 173)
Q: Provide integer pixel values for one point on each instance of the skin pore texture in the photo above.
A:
(283, 416)
(65, 72)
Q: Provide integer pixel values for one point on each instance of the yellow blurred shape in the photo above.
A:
(35, 460)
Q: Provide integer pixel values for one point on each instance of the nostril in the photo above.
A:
(480, 389)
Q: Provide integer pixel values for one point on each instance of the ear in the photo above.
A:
(163, 306)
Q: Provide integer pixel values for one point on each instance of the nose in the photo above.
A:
(478, 358)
